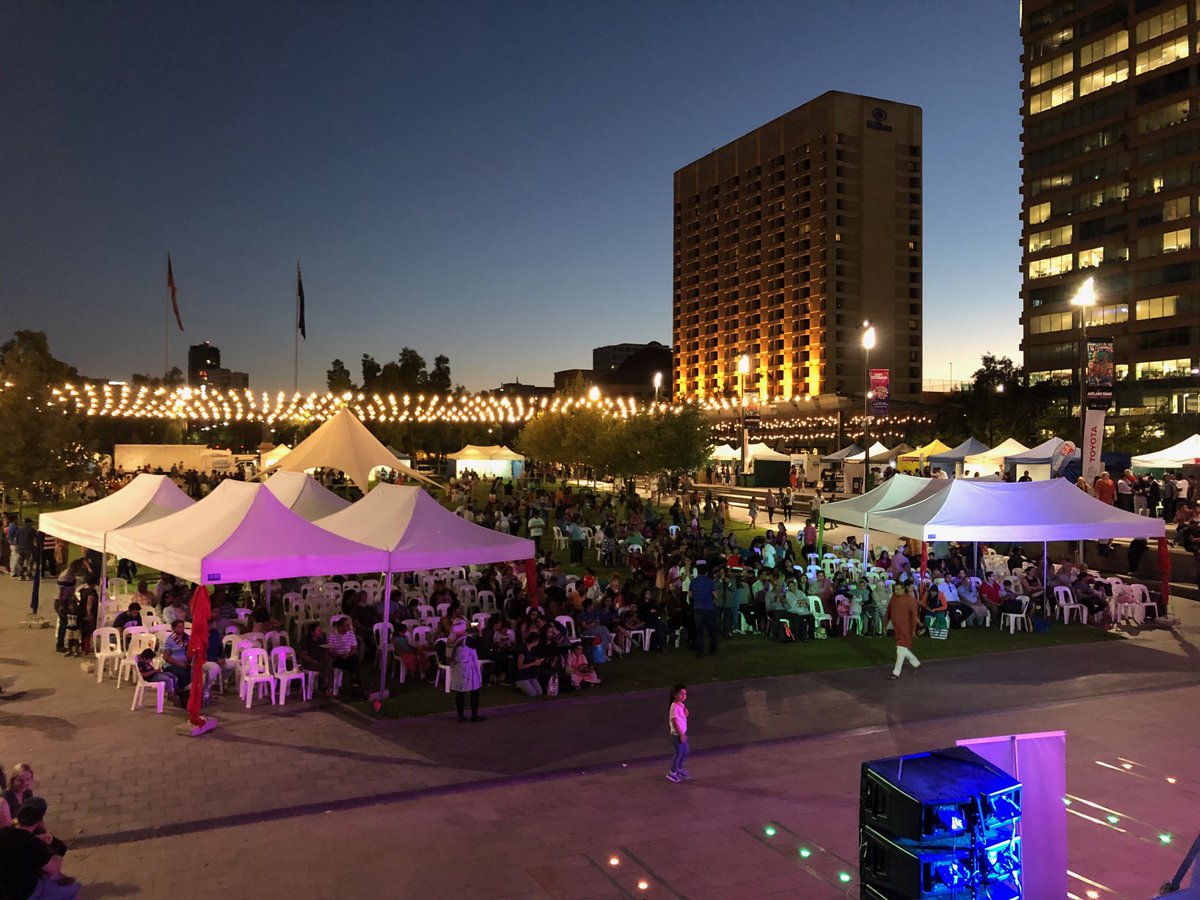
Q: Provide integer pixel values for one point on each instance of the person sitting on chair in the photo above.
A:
(1085, 593)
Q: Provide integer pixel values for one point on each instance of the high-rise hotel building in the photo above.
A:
(1111, 184)
(791, 236)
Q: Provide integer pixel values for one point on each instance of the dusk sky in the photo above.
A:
(491, 181)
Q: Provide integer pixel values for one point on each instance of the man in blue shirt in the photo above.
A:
(704, 607)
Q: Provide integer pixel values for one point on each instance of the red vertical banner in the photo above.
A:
(531, 581)
(881, 391)
(198, 653)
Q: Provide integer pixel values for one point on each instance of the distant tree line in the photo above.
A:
(407, 375)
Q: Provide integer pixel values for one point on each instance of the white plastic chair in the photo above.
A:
(273, 639)
(255, 673)
(487, 602)
(1012, 620)
(128, 665)
(377, 632)
(351, 586)
(425, 611)
(560, 539)
(287, 670)
(1064, 599)
(129, 631)
(140, 686)
(442, 669)
(568, 623)
(817, 609)
(443, 608)
(106, 645)
(482, 619)
(1140, 601)
(150, 619)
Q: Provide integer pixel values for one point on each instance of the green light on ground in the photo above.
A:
(1166, 838)
(844, 877)
(1113, 820)
(769, 831)
(805, 852)
(1066, 801)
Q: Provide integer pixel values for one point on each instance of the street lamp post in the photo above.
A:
(743, 368)
(1084, 299)
(868, 342)
(658, 380)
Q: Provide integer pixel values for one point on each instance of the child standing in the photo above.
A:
(677, 720)
(74, 632)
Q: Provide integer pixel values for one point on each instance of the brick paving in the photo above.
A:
(533, 803)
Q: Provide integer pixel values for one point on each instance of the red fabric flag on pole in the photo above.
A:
(197, 651)
(174, 293)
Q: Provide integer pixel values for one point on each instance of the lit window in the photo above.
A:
(1118, 42)
(1162, 23)
(1090, 258)
(1103, 77)
(1162, 55)
(1162, 368)
(1156, 307)
(1052, 265)
(1107, 315)
(1178, 208)
(1053, 237)
(1177, 240)
(1055, 96)
(1048, 71)
(1039, 213)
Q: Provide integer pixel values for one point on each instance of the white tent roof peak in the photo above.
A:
(762, 451)
(343, 442)
(896, 491)
(879, 453)
(723, 453)
(241, 532)
(417, 532)
(304, 495)
(146, 498)
(997, 454)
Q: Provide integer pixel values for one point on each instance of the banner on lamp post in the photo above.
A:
(1101, 371)
(1093, 444)
(880, 391)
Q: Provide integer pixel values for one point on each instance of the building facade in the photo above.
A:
(787, 239)
(204, 368)
(1110, 185)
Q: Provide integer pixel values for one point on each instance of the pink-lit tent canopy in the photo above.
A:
(241, 532)
(419, 533)
(304, 495)
(896, 491)
(145, 499)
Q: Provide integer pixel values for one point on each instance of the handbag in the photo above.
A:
(939, 627)
(552, 686)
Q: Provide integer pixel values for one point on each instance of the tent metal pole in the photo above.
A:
(1046, 578)
(385, 644)
(103, 568)
(866, 539)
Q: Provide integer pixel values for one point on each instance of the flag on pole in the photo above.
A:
(300, 303)
(174, 296)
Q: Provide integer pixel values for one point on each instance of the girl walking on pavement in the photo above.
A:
(677, 720)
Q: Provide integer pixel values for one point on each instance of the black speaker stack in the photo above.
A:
(939, 824)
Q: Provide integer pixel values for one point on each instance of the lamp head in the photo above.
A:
(744, 364)
(868, 338)
(1086, 295)
(658, 380)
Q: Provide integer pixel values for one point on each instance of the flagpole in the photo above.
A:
(167, 329)
(296, 336)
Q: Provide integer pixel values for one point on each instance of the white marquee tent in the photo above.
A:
(304, 495)
(896, 491)
(241, 532)
(762, 451)
(1053, 510)
(343, 442)
(879, 453)
(952, 458)
(145, 499)
(417, 532)
(987, 463)
(272, 456)
(839, 455)
(490, 462)
(724, 453)
(1185, 453)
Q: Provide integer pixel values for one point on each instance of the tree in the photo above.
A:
(41, 438)
(370, 372)
(338, 378)
(173, 379)
(439, 381)
(411, 377)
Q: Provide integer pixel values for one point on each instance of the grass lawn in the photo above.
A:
(743, 657)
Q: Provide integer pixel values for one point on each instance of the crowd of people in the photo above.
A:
(30, 854)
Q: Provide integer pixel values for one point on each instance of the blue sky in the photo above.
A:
(491, 181)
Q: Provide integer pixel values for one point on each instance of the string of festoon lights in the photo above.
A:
(823, 428)
(209, 404)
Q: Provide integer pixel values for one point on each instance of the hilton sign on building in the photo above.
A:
(787, 239)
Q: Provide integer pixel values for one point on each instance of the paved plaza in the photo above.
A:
(303, 800)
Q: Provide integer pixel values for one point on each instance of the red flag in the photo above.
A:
(174, 297)
(198, 651)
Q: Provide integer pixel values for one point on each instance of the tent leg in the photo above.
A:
(1046, 579)
(1164, 571)
(384, 648)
